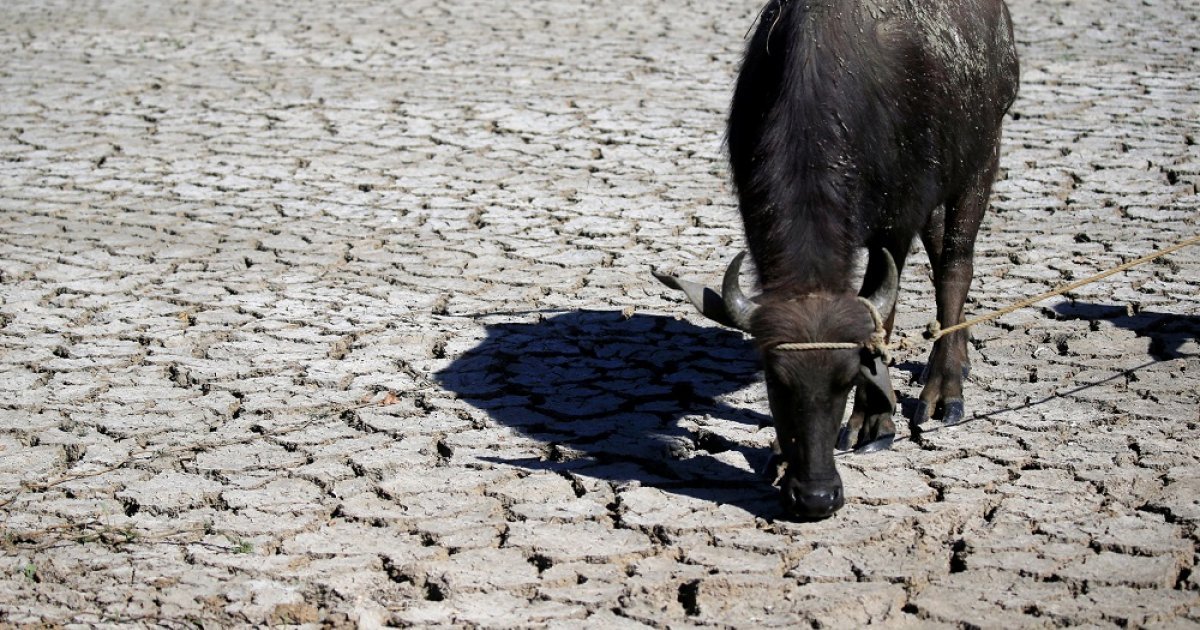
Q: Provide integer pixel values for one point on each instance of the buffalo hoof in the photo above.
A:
(844, 438)
(921, 414)
(881, 443)
(953, 412)
(848, 439)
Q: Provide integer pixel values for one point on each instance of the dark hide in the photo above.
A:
(861, 124)
(813, 382)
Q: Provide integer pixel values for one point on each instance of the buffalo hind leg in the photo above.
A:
(950, 244)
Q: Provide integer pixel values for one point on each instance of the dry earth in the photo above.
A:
(339, 312)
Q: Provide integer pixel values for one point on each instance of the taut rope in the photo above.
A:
(934, 331)
(878, 344)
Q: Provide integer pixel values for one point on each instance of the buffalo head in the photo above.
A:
(808, 388)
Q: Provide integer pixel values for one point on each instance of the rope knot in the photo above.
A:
(877, 343)
(933, 330)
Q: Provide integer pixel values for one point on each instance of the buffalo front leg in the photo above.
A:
(950, 243)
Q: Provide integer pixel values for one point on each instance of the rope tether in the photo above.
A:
(876, 344)
(934, 331)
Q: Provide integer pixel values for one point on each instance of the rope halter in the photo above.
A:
(876, 344)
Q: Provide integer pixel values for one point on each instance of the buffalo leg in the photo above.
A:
(870, 427)
(950, 244)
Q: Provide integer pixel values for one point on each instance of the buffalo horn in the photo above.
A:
(883, 298)
(707, 301)
(729, 308)
(737, 305)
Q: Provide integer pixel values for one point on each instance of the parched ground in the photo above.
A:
(339, 312)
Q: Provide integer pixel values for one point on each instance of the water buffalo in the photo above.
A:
(858, 123)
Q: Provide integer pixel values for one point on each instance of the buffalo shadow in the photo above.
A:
(1168, 332)
(626, 399)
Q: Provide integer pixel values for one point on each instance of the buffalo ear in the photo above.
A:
(729, 308)
(877, 382)
(707, 301)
